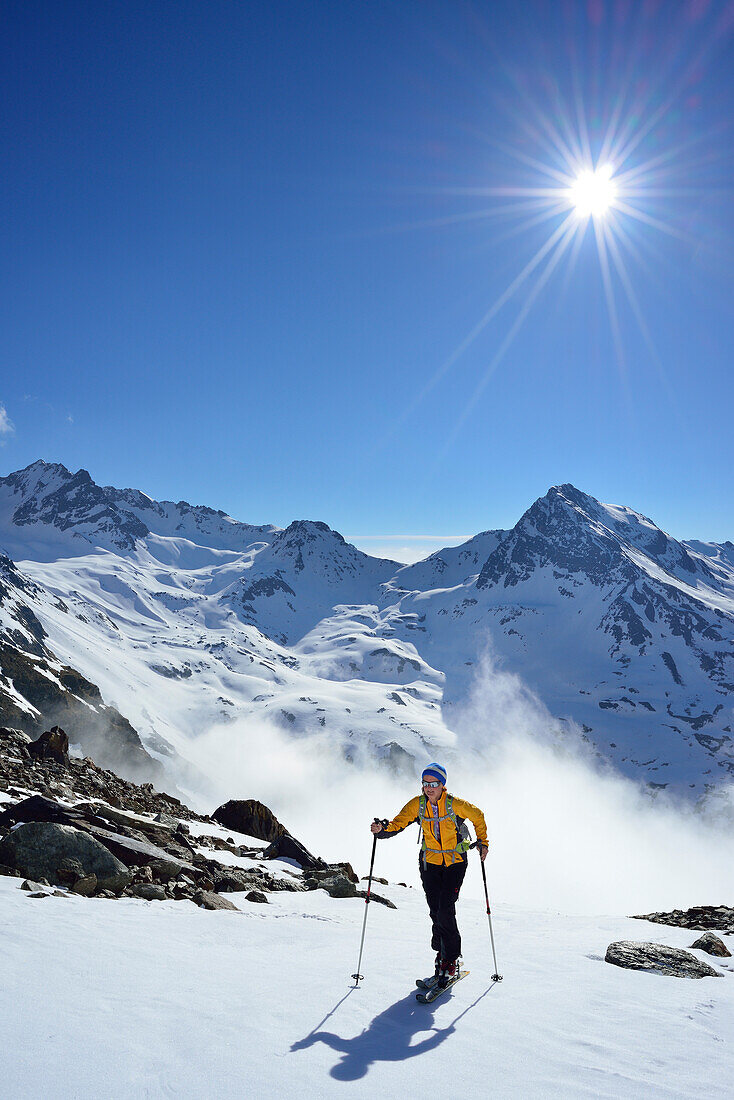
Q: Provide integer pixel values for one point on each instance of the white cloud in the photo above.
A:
(565, 831)
(404, 548)
(6, 425)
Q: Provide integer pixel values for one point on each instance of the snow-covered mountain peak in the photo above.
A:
(558, 531)
(64, 508)
(51, 497)
(314, 543)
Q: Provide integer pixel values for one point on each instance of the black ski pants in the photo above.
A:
(441, 885)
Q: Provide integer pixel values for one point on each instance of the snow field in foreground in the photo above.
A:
(150, 999)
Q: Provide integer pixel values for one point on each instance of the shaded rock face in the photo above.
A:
(46, 692)
(51, 745)
(37, 849)
(255, 819)
(659, 959)
(148, 891)
(712, 945)
(287, 847)
(257, 896)
(250, 817)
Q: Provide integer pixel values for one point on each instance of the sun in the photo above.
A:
(593, 192)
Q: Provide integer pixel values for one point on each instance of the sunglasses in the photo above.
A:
(431, 785)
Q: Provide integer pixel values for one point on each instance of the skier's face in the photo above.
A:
(432, 793)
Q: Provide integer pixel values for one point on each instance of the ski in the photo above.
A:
(427, 996)
(427, 983)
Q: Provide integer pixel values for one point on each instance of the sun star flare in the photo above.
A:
(593, 192)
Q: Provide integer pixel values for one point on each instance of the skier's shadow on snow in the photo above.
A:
(388, 1037)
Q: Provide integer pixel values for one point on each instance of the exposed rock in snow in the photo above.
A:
(712, 945)
(53, 744)
(699, 917)
(251, 817)
(658, 958)
(208, 899)
(37, 848)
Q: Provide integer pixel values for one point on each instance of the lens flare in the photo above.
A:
(593, 192)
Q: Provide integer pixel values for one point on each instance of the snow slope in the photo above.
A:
(165, 999)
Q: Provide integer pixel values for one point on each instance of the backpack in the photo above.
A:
(463, 836)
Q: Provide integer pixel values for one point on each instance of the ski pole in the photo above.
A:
(495, 977)
(358, 976)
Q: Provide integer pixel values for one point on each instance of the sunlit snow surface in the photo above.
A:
(152, 999)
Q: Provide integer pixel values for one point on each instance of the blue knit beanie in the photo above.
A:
(435, 771)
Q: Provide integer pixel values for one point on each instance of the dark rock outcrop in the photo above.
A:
(700, 918)
(142, 832)
(712, 945)
(659, 959)
(254, 819)
(250, 817)
(256, 896)
(79, 779)
(287, 847)
(207, 899)
(37, 848)
(51, 745)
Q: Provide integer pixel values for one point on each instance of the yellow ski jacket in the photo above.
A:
(441, 848)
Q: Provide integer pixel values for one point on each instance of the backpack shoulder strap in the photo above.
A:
(421, 817)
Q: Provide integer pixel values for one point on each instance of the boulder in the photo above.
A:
(148, 890)
(14, 739)
(30, 886)
(659, 959)
(165, 869)
(51, 745)
(86, 885)
(136, 852)
(232, 879)
(336, 884)
(207, 899)
(378, 898)
(712, 945)
(250, 817)
(37, 848)
(256, 896)
(39, 808)
(287, 847)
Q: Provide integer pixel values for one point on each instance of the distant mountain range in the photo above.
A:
(155, 621)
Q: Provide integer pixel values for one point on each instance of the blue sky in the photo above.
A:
(244, 245)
